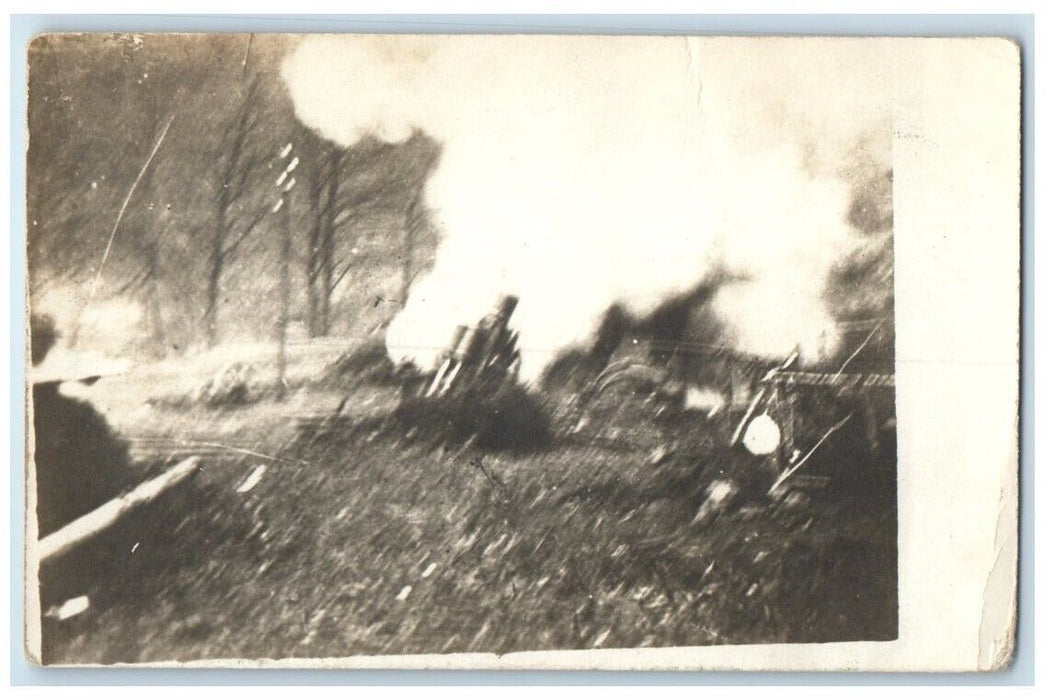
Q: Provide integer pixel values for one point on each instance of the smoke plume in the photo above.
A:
(580, 172)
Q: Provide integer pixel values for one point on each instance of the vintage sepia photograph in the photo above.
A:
(378, 345)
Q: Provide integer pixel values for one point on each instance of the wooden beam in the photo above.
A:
(99, 519)
(798, 465)
(853, 381)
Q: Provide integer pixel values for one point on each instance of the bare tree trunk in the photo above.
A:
(323, 195)
(239, 160)
(217, 265)
(327, 281)
(284, 301)
(316, 173)
(313, 269)
(412, 224)
(327, 250)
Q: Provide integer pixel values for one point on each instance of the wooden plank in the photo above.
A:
(832, 379)
(99, 519)
(798, 465)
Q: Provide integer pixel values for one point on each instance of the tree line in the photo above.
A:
(198, 247)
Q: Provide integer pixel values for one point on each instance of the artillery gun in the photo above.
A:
(485, 354)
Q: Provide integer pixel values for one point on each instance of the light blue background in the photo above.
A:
(24, 27)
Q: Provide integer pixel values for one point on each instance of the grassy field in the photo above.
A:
(371, 540)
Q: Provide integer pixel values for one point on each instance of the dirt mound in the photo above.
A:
(507, 418)
(368, 363)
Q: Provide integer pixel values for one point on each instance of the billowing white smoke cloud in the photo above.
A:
(580, 171)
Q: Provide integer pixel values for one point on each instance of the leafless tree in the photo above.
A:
(322, 169)
(376, 178)
(414, 220)
(235, 215)
(343, 185)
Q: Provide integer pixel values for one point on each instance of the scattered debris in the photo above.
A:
(794, 499)
(661, 454)
(720, 491)
(70, 608)
(708, 401)
(720, 495)
(253, 480)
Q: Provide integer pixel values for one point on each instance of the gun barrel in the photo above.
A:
(506, 307)
(474, 350)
